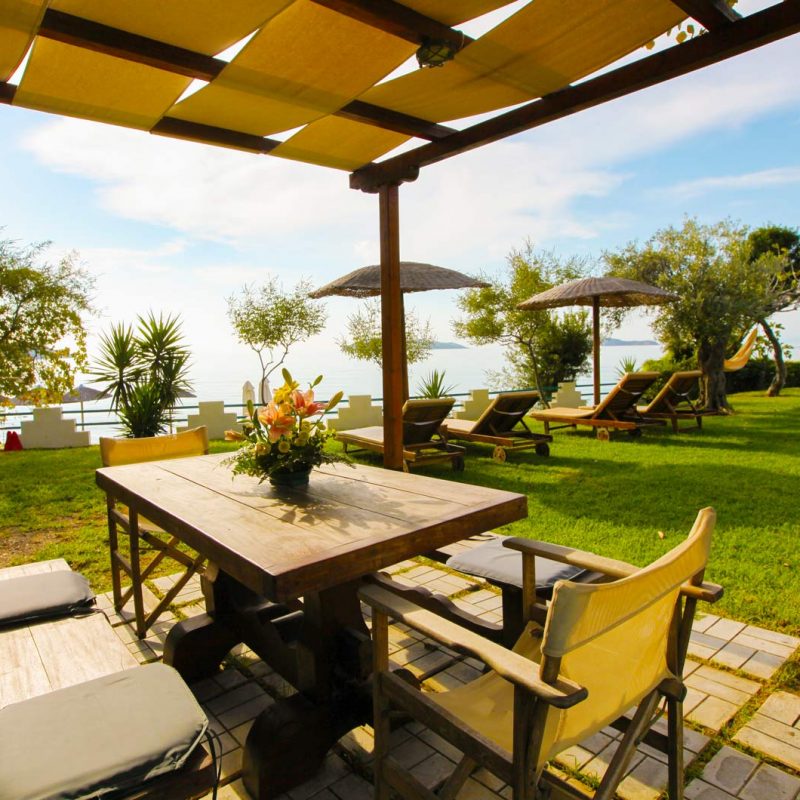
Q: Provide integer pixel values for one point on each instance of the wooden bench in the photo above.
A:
(48, 655)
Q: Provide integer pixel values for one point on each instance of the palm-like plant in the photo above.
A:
(144, 372)
(433, 386)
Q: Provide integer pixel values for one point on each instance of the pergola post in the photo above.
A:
(391, 327)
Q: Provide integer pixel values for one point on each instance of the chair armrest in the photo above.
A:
(710, 592)
(515, 668)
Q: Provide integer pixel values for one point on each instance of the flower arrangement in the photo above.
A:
(283, 440)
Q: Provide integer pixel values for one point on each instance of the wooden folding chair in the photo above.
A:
(604, 649)
(116, 452)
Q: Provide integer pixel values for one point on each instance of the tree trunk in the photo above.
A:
(536, 376)
(711, 356)
(779, 380)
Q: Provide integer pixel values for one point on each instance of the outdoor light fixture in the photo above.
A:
(435, 52)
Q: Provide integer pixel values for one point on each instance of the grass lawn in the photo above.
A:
(612, 498)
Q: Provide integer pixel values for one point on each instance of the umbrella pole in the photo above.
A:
(391, 327)
(596, 346)
(404, 348)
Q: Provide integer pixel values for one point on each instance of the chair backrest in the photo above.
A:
(115, 452)
(504, 412)
(625, 395)
(674, 392)
(423, 418)
(617, 639)
(742, 355)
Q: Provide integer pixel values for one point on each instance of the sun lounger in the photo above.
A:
(496, 426)
(674, 404)
(616, 411)
(421, 422)
(742, 355)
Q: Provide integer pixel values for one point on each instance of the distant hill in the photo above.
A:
(628, 342)
(448, 346)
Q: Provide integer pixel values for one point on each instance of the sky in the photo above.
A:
(177, 227)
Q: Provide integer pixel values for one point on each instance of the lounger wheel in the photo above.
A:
(543, 449)
(499, 454)
(603, 434)
(458, 464)
(635, 433)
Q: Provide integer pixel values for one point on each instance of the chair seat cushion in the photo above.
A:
(48, 594)
(499, 564)
(99, 737)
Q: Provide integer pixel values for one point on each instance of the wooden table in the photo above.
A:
(285, 565)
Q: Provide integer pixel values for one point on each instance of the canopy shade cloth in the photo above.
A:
(607, 292)
(315, 67)
(414, 277)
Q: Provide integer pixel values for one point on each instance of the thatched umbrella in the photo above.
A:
(414, 277)
(596, 292)
(82, 394)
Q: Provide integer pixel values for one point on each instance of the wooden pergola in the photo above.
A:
(310, 84)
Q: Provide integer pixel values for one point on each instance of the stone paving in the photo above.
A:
(729, 665)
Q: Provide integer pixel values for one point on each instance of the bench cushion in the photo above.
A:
(48, 594)
(98, 737)
(499, 564)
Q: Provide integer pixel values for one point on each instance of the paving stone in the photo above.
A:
(440, 745)
(773, 738)
(700, 790)
(411, 752)
(703, 622)
(762, 665)
(783, 707)
(725, 628)
(771, 784)
(713, 713)
(241, 731)
(733, 655)
(473, 790)
(774, 648)
(599, 764)
(433, 771)
(702, 683)
(205, 689)
(237, 696)
(353, 787)
(772, 636)
(646, 781)
(730, 769)
(246, 711)
(333, 769)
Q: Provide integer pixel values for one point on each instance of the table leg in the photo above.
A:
(289, 740)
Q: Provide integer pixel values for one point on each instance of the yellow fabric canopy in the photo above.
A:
(303, 64)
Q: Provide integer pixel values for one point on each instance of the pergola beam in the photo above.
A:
(79, 32)
(398, 20)
(747, 33)
(711, 14)
(209, 134)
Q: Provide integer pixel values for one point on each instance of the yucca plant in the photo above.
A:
(626, 364)
(144, 372)
(433, 386)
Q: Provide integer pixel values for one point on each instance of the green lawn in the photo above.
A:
(613, 498)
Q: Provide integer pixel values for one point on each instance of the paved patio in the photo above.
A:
(742, 738)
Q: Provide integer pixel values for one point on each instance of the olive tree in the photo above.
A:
(364, 338)
(721, 292)
(543, 348)
(42, 310)
(785, 291)
(270, 320)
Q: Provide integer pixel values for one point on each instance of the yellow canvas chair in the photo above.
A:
(114, 453)
(742, 355)
(604, 649)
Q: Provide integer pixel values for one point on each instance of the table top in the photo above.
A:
(283, 543)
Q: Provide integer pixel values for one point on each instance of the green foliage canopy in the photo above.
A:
(270, 320)
(543, 347)
(364, 343)
(42, 334)
(144, 371)
(721, 290)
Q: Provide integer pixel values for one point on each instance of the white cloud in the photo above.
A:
(780, 176)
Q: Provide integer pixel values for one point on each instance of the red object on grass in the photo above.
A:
(13, 442)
